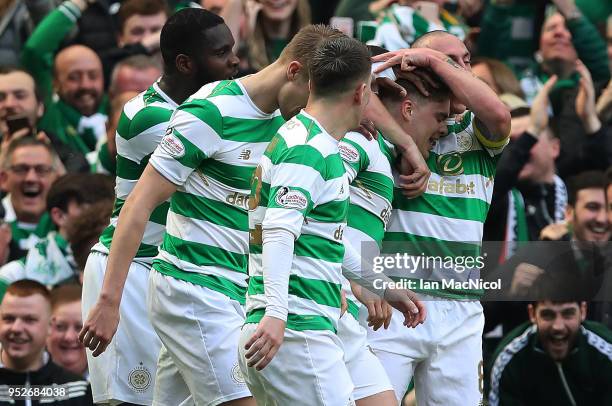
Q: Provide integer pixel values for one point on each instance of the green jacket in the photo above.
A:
(523, 374)
(37, 57)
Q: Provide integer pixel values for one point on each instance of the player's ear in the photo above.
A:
(293, 70)
(583, 311)
(183, 64)
(360, 93)
(406, 109)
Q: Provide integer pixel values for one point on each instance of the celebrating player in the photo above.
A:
(204, 164)
(289, 351)
(445, 354)
(197, 48)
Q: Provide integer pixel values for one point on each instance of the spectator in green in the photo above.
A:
(50, 261)
(71, 82)
(20, 97)
(29, 168)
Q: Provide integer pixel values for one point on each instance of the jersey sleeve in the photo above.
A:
(296, 181)
(192, 136)
(354, 149)
(469, 124)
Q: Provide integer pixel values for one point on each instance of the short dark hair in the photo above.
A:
(27, 288)
(303, 45)
(337, 64)
(439, 91)
(79, 188)
(584, 180)
(66, 293)
(83, 233)
(184, 32)
(29, 141)
(7, 70)
(131, 8)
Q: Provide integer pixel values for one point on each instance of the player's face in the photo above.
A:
(24, 323)
(589, 217)
(27, 180)
(216, 61)
(556, 40)
(558, 325)
(63, 342)
(455, 49)
(428, 123)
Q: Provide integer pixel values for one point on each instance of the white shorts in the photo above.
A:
(125, 372)
(444, 354)
(199, 329)
(367, 373)
(308, 369)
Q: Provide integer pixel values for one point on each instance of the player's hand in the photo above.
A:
(100, 327)
(408, 59)
(524, 277)
(379, 311)
(415, 173)
(367, 129)
(408, 303)
(265, 342)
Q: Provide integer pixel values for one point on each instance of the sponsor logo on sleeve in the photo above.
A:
(291, 199)
(348, 153)
(172, 144)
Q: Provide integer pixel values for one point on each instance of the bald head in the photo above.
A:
(78, 78)
(446, 43)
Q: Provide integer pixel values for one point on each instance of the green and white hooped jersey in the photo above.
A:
(141, 128)
(400, 26)
(368, 167)
(446, 223)
(301, 186)
(213, 143)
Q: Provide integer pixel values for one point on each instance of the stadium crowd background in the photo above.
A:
(67, 68)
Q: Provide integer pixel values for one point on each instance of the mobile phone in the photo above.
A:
(17, 123)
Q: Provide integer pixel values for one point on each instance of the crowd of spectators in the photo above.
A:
(68, 67)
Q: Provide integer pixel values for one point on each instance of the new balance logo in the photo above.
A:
(245, 154)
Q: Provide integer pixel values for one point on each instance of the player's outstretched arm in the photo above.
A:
(151, 190)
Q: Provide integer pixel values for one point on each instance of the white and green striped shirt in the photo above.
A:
(301, 186)
(368, 167)
(211, 148)
(141, 127)
(448, 219)
(400, 26)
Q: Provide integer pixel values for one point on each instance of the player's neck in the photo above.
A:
(332, 116)
(177, 88)
(264, 86)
